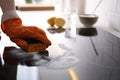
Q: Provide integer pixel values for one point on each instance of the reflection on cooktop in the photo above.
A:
(88, 31)
(8, 72)
(15, 56)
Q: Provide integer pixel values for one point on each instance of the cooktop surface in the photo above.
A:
(94, 54)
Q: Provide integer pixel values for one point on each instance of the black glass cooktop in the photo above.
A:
(97, 51)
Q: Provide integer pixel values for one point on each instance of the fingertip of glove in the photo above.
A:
(21, 43)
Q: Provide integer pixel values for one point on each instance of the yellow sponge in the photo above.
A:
(34, 45)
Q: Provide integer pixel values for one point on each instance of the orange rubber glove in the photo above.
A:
(18, 32)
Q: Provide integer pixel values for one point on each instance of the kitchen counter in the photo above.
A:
(98, 55)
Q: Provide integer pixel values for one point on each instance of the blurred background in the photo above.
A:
(108, 11)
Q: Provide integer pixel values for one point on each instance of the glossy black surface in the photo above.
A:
(99, 59)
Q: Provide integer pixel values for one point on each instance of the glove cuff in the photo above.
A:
(9, 14)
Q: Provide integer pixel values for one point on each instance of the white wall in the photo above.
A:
(108, 12)
(70, 5)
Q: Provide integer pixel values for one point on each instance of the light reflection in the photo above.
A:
(59, 51)
(72, 74)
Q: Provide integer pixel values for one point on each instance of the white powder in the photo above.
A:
(62, 62)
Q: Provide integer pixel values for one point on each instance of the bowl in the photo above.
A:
(88, 20)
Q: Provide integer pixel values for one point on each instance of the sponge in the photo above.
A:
(35, 45)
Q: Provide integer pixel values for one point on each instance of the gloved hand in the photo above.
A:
(18, 32)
